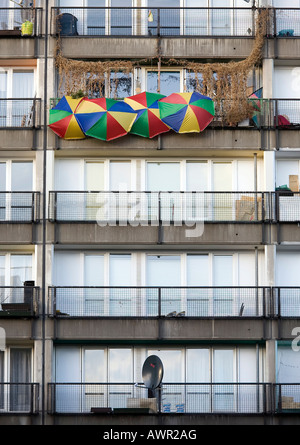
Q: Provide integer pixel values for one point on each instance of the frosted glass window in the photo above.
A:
(94, 366)
(223, 366)
(120, 176)
(120, 270)
(172, 361)
(21, 176)
(222, 270)
(163, 176)
(198, 366)
(120, 365)
(2, 176)
(94, 176)
(197, 270)
(163, 270)
(197, 176)
(94, 270)
(3, 84)
(23, 82)
(2, 270)
(222, 176)
(20, 269)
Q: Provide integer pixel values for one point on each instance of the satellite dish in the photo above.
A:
(152, 372)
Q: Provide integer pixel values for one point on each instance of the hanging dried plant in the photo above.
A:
(225, 83)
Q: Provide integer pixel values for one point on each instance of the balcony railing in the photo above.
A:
(19, 398)
(153, 208)
(20, 113)
(287, 397)
(201, 302)
(155, 22)
(20, 207)
(188, 398)
(19, 301)
(11, 20)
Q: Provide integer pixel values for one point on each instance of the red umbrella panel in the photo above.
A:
(148, 123)
(62, 119)
(104, 118)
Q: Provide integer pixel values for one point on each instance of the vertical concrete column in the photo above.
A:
(268, 70)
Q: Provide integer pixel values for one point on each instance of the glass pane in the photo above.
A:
(120, 275)
(220, 18)
(120, 365)
(163, 176)
(163, 271)
(94, 276)
(169, 82)
(120, 176)
(121, 19)
(198, 366)
(20, 269)
(94, 176)
(3, 95)
(20, 372)
(173, 364)
(94, 366)
(21, 176)
(120, 85)
(2, 176)
(196, 20)
(95, 17)
(2, 271)
(22, 88)
(222, 172)
(198, 274)
(169, 19)
(197, 176)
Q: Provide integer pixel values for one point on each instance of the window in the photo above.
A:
(15, 270)
(16, 177)
(167, 83)
(16, 90)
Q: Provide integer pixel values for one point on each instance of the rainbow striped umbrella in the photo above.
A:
(104, 118)
(62, 119)
(186, 112)
(148, 123)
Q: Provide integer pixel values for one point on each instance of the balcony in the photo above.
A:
(275, 125)
(19, 120)
(14, 43)
(19, 301)
(183, 32)
(172, 398)
(288, 397)
(157, 217)
(169, 302)
(19, 398)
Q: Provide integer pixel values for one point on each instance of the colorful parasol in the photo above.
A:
(255, 100)
(148, 123)
(186, 112)
(104, 118)
(62, 119)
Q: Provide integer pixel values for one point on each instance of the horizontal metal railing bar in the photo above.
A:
(19, 398)
(188, 398)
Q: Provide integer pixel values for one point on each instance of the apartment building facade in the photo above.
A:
(183, 246)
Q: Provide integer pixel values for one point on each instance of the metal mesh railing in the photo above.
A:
(287, 397)
(202, 302)
(11, 20)
(19, 300)
(19, 207)
(170, 398)
(287, 22)
(153, 207)
(19, 398)
(153, 22)
(287, 301)
(20, 113)
(287, 206)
